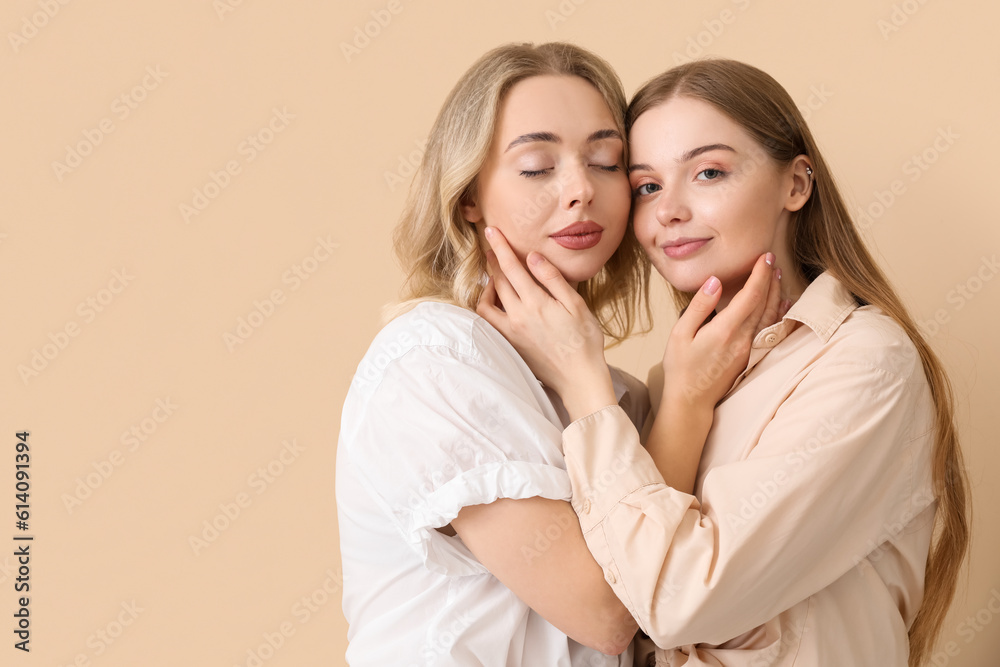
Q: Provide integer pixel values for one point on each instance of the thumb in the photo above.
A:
(702, 305)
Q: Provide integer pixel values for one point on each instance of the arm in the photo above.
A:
(535, 547)
(834, 472)
(700, 364)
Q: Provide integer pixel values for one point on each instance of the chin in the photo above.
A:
(578, 272)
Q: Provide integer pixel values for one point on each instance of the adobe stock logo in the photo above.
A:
(30, 25)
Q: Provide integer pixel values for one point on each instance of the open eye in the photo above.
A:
(646, 189)
(710, 174)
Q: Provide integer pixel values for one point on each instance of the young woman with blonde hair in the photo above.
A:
(459, 546)
(829, 519)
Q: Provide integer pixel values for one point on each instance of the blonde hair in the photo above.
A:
(823, 238)
(440, 251)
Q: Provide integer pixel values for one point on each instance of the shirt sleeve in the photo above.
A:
(445, 429)
(833, 475)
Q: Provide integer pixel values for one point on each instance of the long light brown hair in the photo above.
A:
(441, 252)
(822, 237)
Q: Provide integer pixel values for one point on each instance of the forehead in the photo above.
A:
(683, 123)
(550, 103)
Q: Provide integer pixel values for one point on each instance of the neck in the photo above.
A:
(792, 286)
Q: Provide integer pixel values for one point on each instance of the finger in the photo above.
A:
(505, 292)
(517, 276)
(489, 310)
(784, 307)
(770, 314)
(702, 304)
(747, 306)
(552, 279)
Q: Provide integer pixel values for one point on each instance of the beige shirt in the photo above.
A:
(806, 540)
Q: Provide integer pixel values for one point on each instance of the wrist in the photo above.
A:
(589, 395)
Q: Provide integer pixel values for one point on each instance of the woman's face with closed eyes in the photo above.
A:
(554, 181)
(707, 199)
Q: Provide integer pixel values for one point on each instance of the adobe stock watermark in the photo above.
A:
(441, 642)
(103, 638)
(968, 630)
(960, 295)
(225, 7)
(891, 531)
(32, 24)
(561, 12)
(302, 611)
(899, 16)
(121, 108)
(406, 166)
(41, 357)
(767, 489)
(294, 277)
(230, 511)
(714, 28)
(131, 440)
(247, 151)
(915, 167)
(371, 30)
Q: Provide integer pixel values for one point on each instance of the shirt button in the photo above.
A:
(610, 576)
(771, 339)
(586, 506)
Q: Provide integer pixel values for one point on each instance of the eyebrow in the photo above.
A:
(552, 138)
(693, 153)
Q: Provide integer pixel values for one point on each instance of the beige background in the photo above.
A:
(335, 133)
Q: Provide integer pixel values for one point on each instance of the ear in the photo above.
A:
(470, 208)
(801, 183)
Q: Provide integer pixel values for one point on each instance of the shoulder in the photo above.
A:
(434, 333)
(870, 338)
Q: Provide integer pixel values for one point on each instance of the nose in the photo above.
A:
(578, 188)
(671, 207)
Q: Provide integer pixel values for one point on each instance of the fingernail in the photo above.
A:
(489, 232)
(711, 286)
(769, 258)
(778, 271)
(535, 259)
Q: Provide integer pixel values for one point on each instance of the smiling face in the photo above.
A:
(554, 180)
(708, 201)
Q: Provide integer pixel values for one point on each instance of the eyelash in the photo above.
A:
(527, 173)
(720, 174)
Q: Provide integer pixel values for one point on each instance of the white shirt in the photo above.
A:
(443, 413)
(806, 539)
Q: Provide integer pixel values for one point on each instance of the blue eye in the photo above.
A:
(645, 189)
(711, 174)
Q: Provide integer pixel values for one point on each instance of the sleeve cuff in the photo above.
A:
(606, 463)
(479, 486)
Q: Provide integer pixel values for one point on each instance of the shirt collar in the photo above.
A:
(823, 307)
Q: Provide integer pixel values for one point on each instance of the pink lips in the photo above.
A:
(579, 235)
(683, 247)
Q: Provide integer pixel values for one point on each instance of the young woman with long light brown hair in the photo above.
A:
(829, 519)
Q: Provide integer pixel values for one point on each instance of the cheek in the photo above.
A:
(645, 225)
